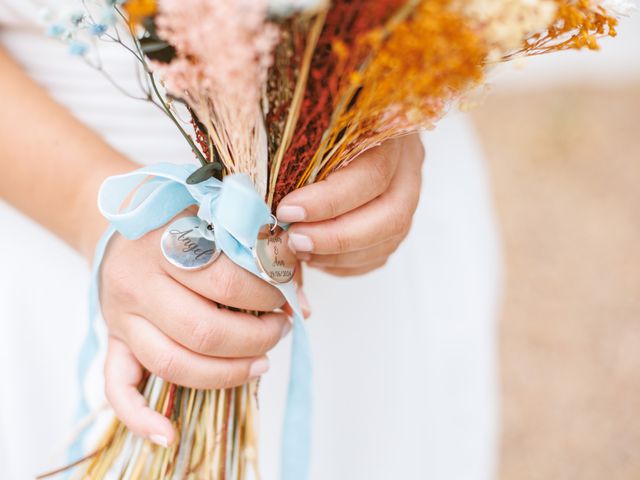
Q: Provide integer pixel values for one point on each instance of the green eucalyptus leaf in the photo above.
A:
(157, 49)
(205, 172)
(149, 45)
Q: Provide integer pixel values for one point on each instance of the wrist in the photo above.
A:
(93, 223)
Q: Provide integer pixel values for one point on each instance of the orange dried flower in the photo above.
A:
(578, 24)
(417, 65)
(138, 10)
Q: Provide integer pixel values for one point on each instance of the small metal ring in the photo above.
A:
(274, 225)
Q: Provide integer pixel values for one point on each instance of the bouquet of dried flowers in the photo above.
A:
(287, 91)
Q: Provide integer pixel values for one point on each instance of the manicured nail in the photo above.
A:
(286, 328)
(300, 243)
(160, 440)
(304, 302)
(291, 213)
(259, 367)
(303, 256)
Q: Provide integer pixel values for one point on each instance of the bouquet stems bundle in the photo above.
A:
(286, 92)
(217, 432)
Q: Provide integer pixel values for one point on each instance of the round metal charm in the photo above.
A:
(189, 243)
(273, 254)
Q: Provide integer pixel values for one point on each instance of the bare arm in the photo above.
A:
(51, 164)
(166, 319)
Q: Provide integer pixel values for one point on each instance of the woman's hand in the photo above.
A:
(168, 320)
(353, 221)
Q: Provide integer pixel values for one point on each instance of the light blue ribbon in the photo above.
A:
(237, 212)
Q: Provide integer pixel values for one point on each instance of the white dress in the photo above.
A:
(405, 382)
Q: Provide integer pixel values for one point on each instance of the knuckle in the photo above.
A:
(269, 298)
(278, 299)
(392, 247)
(380, 171)
(231, 286)
(332, 206)
(165, 366)
(225, 285)
(207, 336)
(232, 374)
(418, 150)
(408, 196)
(268, 335)
(399, 223)
(340, 242)
(412, 192)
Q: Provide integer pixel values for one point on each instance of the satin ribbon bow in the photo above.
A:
(237, 212)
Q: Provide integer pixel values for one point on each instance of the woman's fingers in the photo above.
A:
(357, 259)
(122, 375)
(305, 306)
(170, 361)
(226, 283)
(367, 177)
(203, 327)
(376, 222)
(353, 272)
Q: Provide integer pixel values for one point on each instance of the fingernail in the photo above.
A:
(304, 303)
(303, 256)
(291, 213)
(259, 367)
(286, 328)
(160, 440)
(300, 243)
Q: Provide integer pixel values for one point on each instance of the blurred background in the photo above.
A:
(561, 135)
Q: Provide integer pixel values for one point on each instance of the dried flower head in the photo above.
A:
(223, 54)
(406, 83)
(503, 24)
(577, 24)
(138, 10)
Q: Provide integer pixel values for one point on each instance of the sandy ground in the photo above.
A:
(565, 167)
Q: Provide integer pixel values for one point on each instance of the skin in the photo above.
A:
(167, 320)
(350, 223)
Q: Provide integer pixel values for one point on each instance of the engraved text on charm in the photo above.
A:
(276, 260)
(188, 243)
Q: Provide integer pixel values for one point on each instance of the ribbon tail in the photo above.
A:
(238, 213)
(296, 439)
(90, 345)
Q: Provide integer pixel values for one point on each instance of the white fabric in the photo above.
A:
(404, 357)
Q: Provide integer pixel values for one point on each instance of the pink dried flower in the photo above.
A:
(224, 50)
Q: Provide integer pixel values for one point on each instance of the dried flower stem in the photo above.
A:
(294, 112)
